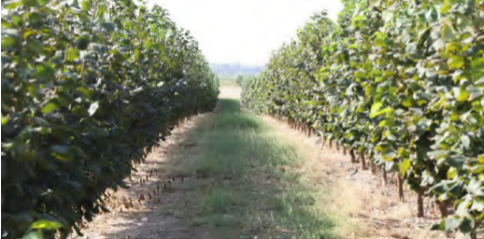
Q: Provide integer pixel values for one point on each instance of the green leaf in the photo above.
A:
(456, 62)
(451, 223)
(93, 108)
(9, 42)
(456, 161)
(49, 107)
(466, 225)
(11, 5)
(33, 91)
(72, 54)
(128, 24)
(85, 91)
(379, 42)
(153, 29)
(389, 154)
(439, 189)
(44, 72)
(448, 33)
(452, 46)
(380, 112)
(456, 190)
(361, 75)
(148, 44)
(43, 2)
(438, 226)
(446, 6)
(451, 173)
(407, 102)
(463, 95)
(477, 64)
(162, 33)
(86, 5)
(46, 224)
(376, 106)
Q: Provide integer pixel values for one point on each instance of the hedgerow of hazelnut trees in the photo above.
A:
(89, 87)
(398, 83)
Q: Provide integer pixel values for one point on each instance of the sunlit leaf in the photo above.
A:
(93, 108)
(456, 62)
(72, 54)
(448, 33)
(49, 107)
(404, 166)
(46, 224)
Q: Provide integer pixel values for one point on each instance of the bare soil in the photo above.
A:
(161, 214)
(230, 92)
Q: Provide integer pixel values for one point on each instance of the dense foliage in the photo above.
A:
(88, 88)
(399, 82)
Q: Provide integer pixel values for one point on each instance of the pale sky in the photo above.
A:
(244, 31)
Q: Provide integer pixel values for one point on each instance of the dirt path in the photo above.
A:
(158, 216)
(246, 176)
(370, 210)
(230, 92)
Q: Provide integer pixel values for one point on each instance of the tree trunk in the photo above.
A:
(363, 162)
(384, 180)
(443, 208)
(400, 187)
(330, 144)
(352, 154)
(372, 167)
(420, 207)
(344, 151)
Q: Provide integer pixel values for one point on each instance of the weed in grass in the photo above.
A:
(219, 199)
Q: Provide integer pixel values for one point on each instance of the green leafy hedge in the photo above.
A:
(88, 88)
(399, 82)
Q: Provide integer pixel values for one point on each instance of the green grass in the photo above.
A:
(246, 191)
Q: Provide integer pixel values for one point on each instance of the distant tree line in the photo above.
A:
(226, 70)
